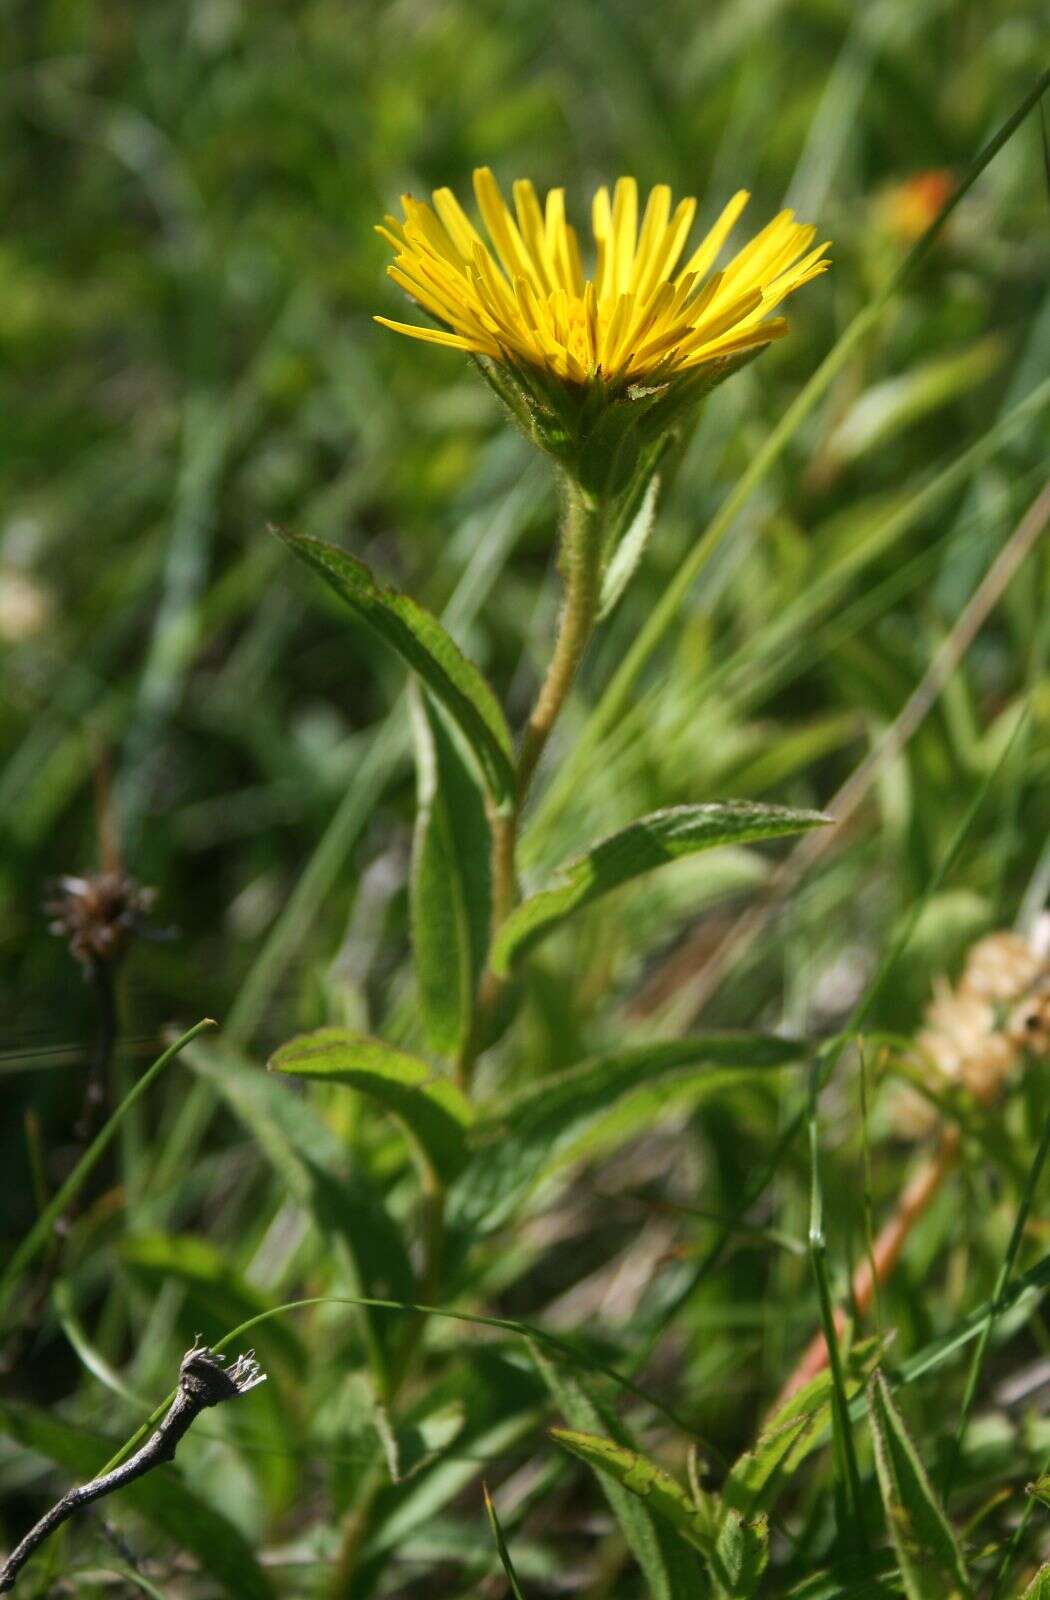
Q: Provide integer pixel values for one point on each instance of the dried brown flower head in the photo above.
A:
(977, 1032)
(99, 914)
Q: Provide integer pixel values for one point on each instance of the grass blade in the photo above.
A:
(973, 1377)
(39, 1234)
(501, 1545)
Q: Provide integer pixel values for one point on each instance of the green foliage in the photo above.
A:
(650, 842)
(630, 548)
(423, 644)
(345, 1204)
(501, 1547)
(41, 1234)
(610, 1148)
(450, 888)
(694, 1520)
(791, 1433)
(931, 1563)
(434, 1113)
(670, 1569)
(606, 1100)
(740, 1556)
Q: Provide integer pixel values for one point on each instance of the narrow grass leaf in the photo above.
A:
(40, 1233)
(650, 842)
(449, 892)
(931, 1563)
(434, 1113)
(161, 1497)
(501, 1546)
(845, 1446)
(414, 1444)
(1039, 1588)
(1031, 1184)
(423, 645)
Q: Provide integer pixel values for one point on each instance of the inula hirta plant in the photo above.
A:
(604, 373)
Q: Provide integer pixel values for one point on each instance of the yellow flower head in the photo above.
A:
(523, 299)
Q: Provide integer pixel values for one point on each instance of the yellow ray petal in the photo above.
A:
(531, 228)
(703, 258)
(503, 230)
(651, 237)
(432, 335)
(664, 256)
(458, 225)
(625, 231)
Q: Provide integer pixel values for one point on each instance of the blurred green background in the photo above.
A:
(187, 277)
(188, 274)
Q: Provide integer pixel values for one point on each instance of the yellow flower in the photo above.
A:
(525, 301)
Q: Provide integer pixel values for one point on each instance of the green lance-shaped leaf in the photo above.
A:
(533, 1132)
(664, 1495)
(931, 1563)
(625, 558)
(668, 1565)
(1039, 1588)
(790, 1434)
(434, 1113)
(650, 842)
(422, 644)
(450, 893)
(162, 1498)
(742, 1551)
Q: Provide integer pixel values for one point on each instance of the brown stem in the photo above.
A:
(877, 1268)
(203, 1382)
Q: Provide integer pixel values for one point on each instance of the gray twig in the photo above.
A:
(203, 1382)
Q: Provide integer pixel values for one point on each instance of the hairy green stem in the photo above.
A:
(580, 561)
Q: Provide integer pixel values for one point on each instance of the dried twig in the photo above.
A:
(203, 1382)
